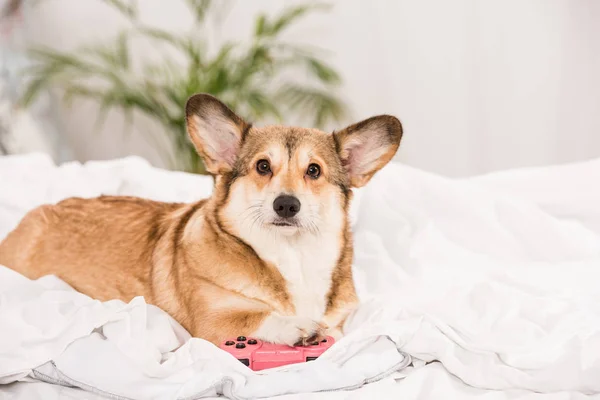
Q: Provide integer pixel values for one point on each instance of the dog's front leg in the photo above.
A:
(290, 330)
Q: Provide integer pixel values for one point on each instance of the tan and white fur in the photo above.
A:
(268, 255)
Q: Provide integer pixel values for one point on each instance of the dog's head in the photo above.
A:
(286, 180)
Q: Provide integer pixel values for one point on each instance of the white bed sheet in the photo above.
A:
(494, 278)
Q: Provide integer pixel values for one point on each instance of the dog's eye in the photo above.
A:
(263, 167)
(314, 171)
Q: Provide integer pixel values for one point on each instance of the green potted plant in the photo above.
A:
(253, 77)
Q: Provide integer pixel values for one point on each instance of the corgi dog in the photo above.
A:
(268, 255)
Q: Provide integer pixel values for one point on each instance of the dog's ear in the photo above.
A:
(216, 132)
(367, 146)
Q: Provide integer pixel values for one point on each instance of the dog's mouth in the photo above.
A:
(285, 223)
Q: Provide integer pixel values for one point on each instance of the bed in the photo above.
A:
(486, 287)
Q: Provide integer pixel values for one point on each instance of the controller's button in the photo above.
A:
(311, 358)
(315, 343)
(241, 338)
(252, 341)
(245, 361)
(240, 346)
(229, 343)
(324, 341)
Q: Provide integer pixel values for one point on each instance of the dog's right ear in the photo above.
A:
(216, 132)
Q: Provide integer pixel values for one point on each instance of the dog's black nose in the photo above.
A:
(286, 206)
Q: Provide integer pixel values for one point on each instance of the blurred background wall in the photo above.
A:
(479, 85)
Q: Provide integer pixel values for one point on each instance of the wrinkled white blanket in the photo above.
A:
(496, 277)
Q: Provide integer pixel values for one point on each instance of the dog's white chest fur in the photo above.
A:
(307, 263)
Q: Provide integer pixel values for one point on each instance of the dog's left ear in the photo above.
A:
(216, 132)
(367, 146)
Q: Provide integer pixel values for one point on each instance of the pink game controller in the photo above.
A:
(259, 355)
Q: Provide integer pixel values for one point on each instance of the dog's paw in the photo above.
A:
(293, 331)
(315, 338)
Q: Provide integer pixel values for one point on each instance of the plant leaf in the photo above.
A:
(199, 8)
(289, 16)
(260, 105)
(162, 35)
(322, 71)
(123, 50)
(128, 9)
(322, 105)
(259, 25)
